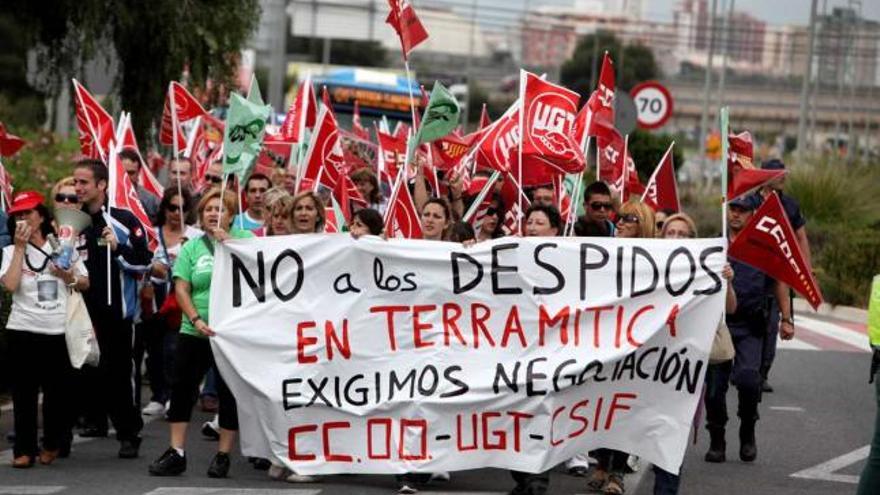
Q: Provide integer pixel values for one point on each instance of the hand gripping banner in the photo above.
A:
(372, 356)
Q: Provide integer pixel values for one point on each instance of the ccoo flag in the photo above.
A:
(243, 136)
(441, 115)
(769, 244)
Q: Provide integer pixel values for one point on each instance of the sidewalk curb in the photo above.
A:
(847, 313)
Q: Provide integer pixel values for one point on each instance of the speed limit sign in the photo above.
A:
(653, 104)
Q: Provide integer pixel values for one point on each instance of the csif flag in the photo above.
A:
(742, 175)
(146, 177)
(769, 244)
(406, 24)
(123, 195)
(324, 158)
(661, 193)
(94, 124)
(401, 218)
(548, 114)
(302, 113)
(243, 136)
(185, 108)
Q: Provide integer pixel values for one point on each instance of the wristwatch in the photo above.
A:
(788, 320)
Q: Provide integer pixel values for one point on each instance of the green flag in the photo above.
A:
(254, 95)
(441, 115)
(243, 136)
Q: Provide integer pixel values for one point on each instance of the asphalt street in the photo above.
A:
(811, 440)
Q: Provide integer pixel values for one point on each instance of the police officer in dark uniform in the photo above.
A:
(798, 224)
(748, 329)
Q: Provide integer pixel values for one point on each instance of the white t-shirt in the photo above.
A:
(39, 304)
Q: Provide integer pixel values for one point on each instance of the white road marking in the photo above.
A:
(787, 408)
(29, 490)
(796, 344)
(188, 490)
(836, 332)
(826, 470)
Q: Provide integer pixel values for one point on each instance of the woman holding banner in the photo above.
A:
(436, 220)
(634, 220)
(192, 286)
(37, 321)
(307, 213)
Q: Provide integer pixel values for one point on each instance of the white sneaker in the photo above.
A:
(301, 478)
(154, 409)
(406, 489)
(439, 476)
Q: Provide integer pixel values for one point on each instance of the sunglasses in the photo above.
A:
(66, 198)
(601, 206)
(214, 179)
(628, 218)
(172, 207)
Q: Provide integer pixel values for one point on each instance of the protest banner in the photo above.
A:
(372, 356)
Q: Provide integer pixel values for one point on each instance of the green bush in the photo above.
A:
(44, 160)
(845, 260)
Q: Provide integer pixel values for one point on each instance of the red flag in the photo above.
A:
(406, 23)
(345, 192)
(499, 147)
(610, 145)
(331, 223)
(392, 155)
(402, 220)
(742, 176)
(95, 126)
(186, 108)
(548, 118)
(146, 177)
(5, 187)
(325, 99)
(9, 144)
(302, 113)
(661, 192)
(448, 151)
(769, 244)
(324, 157)
(356, 126)
(125, 196)
(485, 121)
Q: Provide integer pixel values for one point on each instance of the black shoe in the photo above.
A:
(717, 446)
(219, 467)
(129, 449)
(93, 432)
(261, 464)
(748, 447)
(168, 464)
(209, 432)
(766, 387)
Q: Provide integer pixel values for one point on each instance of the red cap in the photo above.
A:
(25, 200)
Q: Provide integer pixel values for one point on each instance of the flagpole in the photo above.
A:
(223, 193)
(409, 81)
(625, 174)
(522, 134)
(475, 204)
(725, 130)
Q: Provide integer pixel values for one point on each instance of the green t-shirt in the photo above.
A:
(194, 264)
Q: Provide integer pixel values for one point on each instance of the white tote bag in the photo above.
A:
(82, 346)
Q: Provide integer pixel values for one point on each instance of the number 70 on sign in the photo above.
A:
(653, 104)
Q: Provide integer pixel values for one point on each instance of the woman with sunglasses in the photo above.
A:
(64, 194)
(35, 331)
(161, 321)
(635, 220)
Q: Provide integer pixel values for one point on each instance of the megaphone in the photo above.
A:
(70, 223)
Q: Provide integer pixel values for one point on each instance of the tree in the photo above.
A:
(633, 63)
(154, 42)
(20, 104)
(647, 149)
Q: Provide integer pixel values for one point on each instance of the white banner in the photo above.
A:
(375, 356)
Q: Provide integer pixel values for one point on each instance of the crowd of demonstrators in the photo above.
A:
(159, 301)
